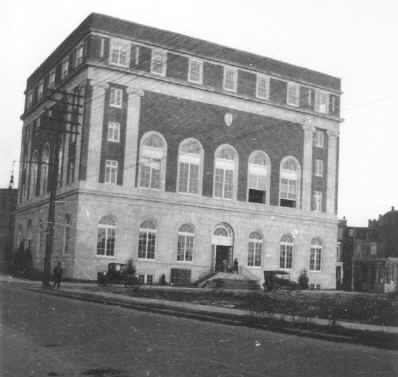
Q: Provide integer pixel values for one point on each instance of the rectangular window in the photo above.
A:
(195, 73)
(120, 53)
(315, 259)
(286, 256)
(150, 169)
(116, 97)
(111, 167)
(65, 68)
(230, 79)
(51, 79)
(185, 247)
(333, 105)
(288, 193)
(102, 48)
(29, 100)
(106, 241)
(40, 91)
(323, 102)
(319, 139)
(114, 132)
(262, 86)
(189, 177)
(317, 201)
(146, 245)
(338, 252)
(79, 55)
(293, 94)
(254, 254)
(319, 168)
(159, 62)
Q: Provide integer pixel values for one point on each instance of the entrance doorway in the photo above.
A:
(223, 258)
(222, 243)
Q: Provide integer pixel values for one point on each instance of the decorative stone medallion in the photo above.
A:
(228, 118)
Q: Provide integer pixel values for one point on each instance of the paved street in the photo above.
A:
(53, 336)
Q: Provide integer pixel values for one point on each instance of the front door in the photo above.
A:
(222, 257)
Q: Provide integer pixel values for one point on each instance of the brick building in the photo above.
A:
(8, 202)
(189, 154)
(370, 254)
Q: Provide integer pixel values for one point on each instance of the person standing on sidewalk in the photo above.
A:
(57, 275)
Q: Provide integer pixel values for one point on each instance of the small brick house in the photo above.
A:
(189, 154)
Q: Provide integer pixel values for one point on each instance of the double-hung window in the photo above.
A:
(195, 72)
(319, 168)
(65, 68)
(323, 102)
(255, 250)
(315, 255)
(258, 182)
(120, 53)
(159, 62)
(152, 161)
(79, 55)
(318, 201)
(293, 94)
(111, 167)
(262, 86)
(51, 79)
(189, 166)
(106, 236)
(116, 97)
(40, 90)
(147, 240)
(286, 252)
(230, 81)
(225, 172)
(319, 138)
(289, 183)
(114, 132)
(186, 235)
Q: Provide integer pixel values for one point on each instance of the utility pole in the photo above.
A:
(58, 115)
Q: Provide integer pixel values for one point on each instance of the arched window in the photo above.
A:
(33, 174)
(45, 158)
(289, 183)
(286, 252)
(147, 240)
(152, 161)
(106, 236)
(255, 249)
(259, 173)
(189, 166)
(186, 235)
(67, 231)
(315, 255)
(225, 172)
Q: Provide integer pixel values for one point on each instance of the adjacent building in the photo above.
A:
(189, 155)
(370, 254)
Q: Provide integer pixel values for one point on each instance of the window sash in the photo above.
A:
(106, 240)
(114, 132)
(254, 253)
(195, 73)
(111, 168)
(150, 172)
(262, 87)
(188, 178)
(318, 201)
(315, 258)
(319, 139)
(185, 247)
(230, 79)
(323, 102)
(319, 168)
(146, 244)
(159, 62)
(286, 255)
(293, 94)
(288, 189)
(116, 97)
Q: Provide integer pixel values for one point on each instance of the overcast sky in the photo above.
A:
(355, 40)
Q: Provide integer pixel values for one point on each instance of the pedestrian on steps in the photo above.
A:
(57, 275)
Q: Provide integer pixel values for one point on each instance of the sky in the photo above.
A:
(355, 40)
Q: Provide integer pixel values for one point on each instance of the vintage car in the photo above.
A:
(118, 273)
(278, 279)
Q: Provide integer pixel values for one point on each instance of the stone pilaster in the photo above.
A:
(96, 124)
(332, 171)
(132, 126)
(307, 166)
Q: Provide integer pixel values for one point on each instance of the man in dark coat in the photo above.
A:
(57, 275)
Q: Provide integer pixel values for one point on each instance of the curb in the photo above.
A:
(271, 322)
